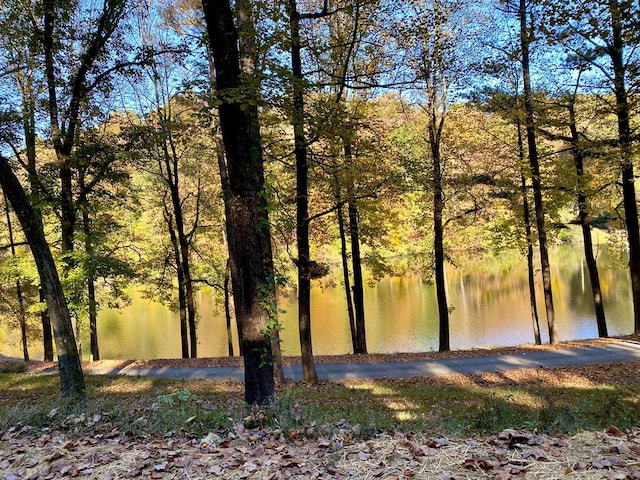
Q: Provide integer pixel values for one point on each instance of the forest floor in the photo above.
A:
(499, 440)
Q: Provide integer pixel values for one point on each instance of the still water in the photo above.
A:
(489, 300)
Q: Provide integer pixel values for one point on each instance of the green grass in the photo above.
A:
(144, 406)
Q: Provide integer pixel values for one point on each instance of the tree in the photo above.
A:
(583, 217)
(22, 59)
(604, 36)
(302, 196)
(71, 377)
(435, 66)
(21, 313)
(247, 216)
(526, 39)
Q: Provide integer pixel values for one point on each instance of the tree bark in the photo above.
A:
(247, 220)
(525, 40)
(71, 377)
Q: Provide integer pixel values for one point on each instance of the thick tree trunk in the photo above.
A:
(250, 54)
(246, 220)
(525, 40)
(302, 200)
(583, 214)
(625, 142)
(526, 218)
(71, 377)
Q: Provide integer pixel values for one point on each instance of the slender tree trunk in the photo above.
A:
(345, 275)
(525, 40)
(625, 142)
(356, 260)
(71, 377)
(302, 200)
(227, 310)
(91, 287)
(438, 251)
(182, 302)
(526, 218)
(190, 304)
(22, 315)
(246, 219)
(592, 266)
(47, 331)
(28, 114)
(227, 194)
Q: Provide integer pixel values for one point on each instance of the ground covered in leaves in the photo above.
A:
(263, 454)
(257, 444)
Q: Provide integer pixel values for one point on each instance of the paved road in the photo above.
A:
(609, 353)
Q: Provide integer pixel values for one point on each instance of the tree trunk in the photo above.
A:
(624, 138)
(226, 192)
(250, 53)
(525, 40)
(302, 200)
(182, 302)
(91, 288)
(47, 333)
(438, 251)
(526, 218)
(227, 310)
(356, 260)
(22, 314)
(345, 275)
(246, 220)
(28, 115)
(71, 377)
(592, 266)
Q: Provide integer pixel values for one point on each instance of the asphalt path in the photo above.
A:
(608, 353)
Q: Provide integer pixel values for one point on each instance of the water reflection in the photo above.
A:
(490, 303)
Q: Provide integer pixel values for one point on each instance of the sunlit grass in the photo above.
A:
(156, 406)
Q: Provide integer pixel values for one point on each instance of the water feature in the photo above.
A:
(489, 300)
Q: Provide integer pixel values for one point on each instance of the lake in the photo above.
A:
(490, 302)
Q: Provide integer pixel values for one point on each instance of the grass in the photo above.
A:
(144, 406)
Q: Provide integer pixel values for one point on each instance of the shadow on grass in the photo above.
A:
(451, 406)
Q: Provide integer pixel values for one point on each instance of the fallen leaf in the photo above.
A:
(601, 463)
(615, 431)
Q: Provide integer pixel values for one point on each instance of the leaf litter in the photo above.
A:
(339, 452)
(267, 454)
